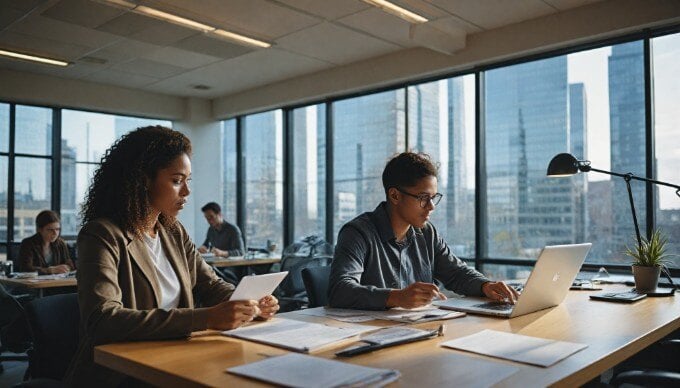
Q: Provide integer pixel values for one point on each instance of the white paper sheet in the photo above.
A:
(256, 287)
(298, 335)
(297, 370)
(516, 347)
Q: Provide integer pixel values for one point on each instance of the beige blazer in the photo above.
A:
(119, 295)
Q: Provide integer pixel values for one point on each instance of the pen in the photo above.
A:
(354, 351)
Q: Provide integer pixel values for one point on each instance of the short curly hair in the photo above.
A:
(118, 190)
(406, 169)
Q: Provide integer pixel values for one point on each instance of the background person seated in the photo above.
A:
(45, 251)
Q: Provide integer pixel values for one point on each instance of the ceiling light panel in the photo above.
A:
(398, 11)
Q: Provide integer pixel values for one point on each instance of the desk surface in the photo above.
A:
(612, 331)
(241, 262)
(39, 282)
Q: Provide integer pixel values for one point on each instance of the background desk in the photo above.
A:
(612, 331)
(40, 284)
(241, 262)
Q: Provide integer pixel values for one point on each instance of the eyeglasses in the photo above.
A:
(424, 198)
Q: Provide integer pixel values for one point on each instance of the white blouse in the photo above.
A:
(167, 278)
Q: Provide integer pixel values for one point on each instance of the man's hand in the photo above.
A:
(268, 305)
(416, 295)
(499, 291)
(232, 314)
(220, 253)
(63, 268)
(203, 249)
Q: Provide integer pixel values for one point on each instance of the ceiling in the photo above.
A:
(110, 45)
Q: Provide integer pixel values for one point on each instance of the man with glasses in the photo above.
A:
(390, 257)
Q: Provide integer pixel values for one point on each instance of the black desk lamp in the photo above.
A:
(566, 165)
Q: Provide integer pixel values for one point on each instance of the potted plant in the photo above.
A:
(649, 258)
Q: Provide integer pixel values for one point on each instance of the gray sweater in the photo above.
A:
(369, 262)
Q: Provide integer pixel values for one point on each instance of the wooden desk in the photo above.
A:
(242, 262)
(612, 331)
(40, 283)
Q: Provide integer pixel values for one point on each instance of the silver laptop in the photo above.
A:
(547, 286)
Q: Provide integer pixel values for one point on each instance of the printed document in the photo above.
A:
(423, 314)
(298, 370)
(299, 336)
(516, 347)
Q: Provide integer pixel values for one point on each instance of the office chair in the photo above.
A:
(54, 322)
(310, 252)
(655, 366)
(316, 284)
(12, 319)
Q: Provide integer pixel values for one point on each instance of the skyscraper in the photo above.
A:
(578, 134)
(627, 121)
(527, 122)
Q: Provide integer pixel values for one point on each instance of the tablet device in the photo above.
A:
(256, 287)
(621, 297)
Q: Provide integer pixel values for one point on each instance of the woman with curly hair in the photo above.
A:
(138, 270)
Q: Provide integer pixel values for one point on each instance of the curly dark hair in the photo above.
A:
(119, 187)
(406, 169)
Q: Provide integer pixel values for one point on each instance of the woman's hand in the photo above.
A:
(500, 292)
(232, 314)
(269, 305)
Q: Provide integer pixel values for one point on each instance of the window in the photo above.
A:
(85, 137)
(264, 179)
(33, 169)
(367, 131)
(228, 165)
(666, 60)
(4, 177)
(590, 104)
(309, 176)
(441, 123)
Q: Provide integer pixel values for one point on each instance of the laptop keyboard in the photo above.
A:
(495, 306)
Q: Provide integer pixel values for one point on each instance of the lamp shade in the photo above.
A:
(563, 165)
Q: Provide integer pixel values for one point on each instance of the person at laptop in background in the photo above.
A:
(45, 251)
(140, 277)
(223, 239)
(390, 257)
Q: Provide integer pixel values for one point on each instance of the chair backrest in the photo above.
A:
(54, 322)
(9, 307)
(310, 252)
(316, 284)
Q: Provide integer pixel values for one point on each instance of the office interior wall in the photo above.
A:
(28, 88)
(580, 25)
(204, 133)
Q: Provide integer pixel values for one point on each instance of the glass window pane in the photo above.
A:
(442, 124)
(33, 130)
(85, 137)
(3, 198)
(32, 193)
(309, 132)
(666, 60)
(4, 127)
(91, 134)
(590, 104)
(229, 160)
(75, 180)
(264, 179)
(367, 131)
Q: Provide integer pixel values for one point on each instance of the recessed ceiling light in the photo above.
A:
(396, 10)
(201, 87)
(33, 58)
(238, 38)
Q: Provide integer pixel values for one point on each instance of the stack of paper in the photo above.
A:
(424, 314)
(298, 335)
(516, 347)
(297, 370)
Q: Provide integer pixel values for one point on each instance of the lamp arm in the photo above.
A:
(631, 176)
